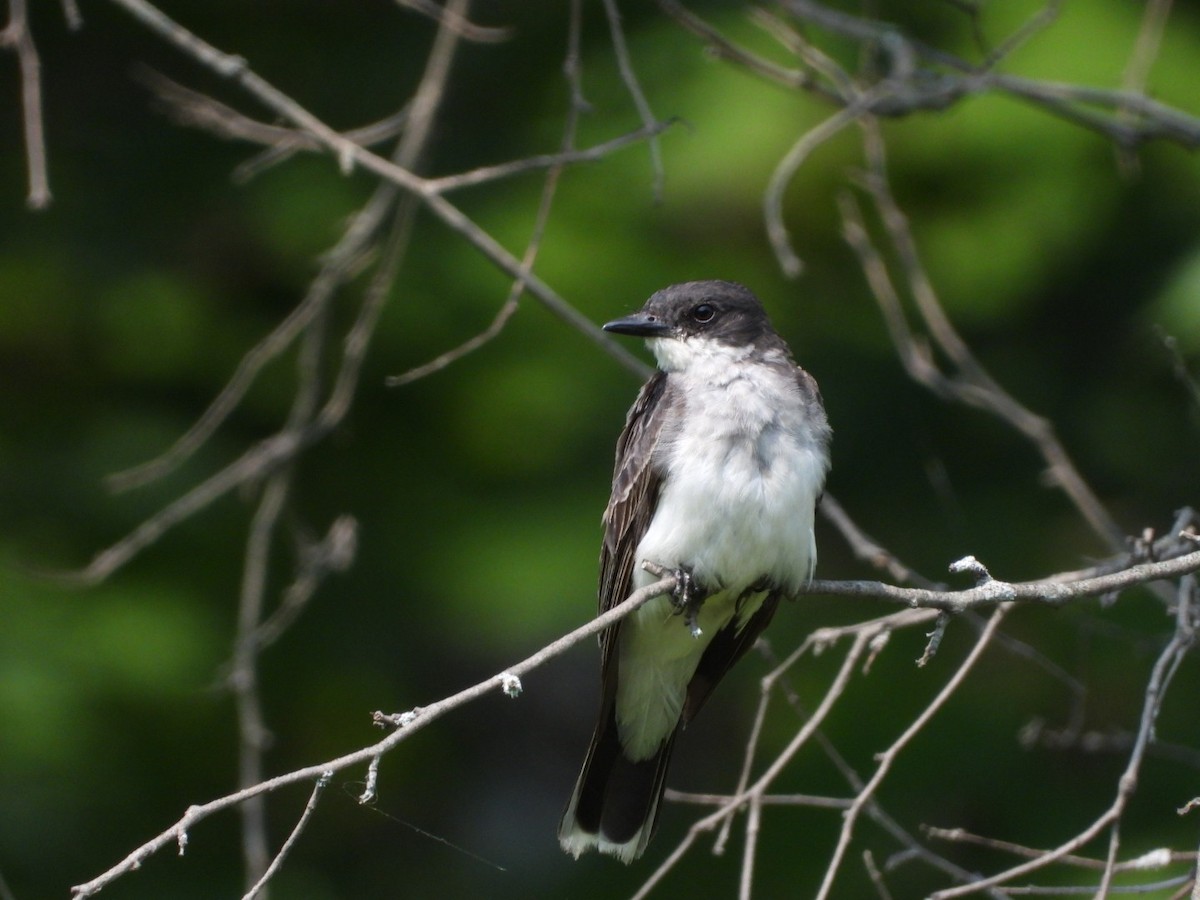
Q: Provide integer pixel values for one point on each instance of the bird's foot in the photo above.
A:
(688, 597)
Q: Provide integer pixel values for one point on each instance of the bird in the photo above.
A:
(718, 473)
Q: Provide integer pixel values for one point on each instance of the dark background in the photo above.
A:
(127, 304)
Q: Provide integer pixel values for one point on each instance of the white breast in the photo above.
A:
(745, 473)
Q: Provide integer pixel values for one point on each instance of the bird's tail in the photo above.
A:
(614, 808)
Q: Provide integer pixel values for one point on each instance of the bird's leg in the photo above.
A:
(688, 597)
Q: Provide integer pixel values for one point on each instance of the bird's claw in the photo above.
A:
(687, 598)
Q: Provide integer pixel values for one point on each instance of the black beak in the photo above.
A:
(640, 324)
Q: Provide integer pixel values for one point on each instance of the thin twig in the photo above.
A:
(1151, 860)
(1179, 368)
(724, 48)
(833, 693)
(630, 80)
(911, 847)
(460, 25)
(1039, 21)
(971, 383)
(753, 824)
(196, 110)
(301, 823)
(812, 801)
(72, 15)
(1048, 591)
(1187, 617)
(509, 308)
(339, 263)
(333, 553)
(1180, 643)
(348, 154)
(785, 171)
(564, 157)
(868, 549)
(193, 109)
(1148, 888)
(16, 35)
(923, 77)
(253, 735)
(888, 757)
(876, 876)
(1145, 50)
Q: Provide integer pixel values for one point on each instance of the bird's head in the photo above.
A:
(700, 319)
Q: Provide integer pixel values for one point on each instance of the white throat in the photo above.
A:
(684, 355)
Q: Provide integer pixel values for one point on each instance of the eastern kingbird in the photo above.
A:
(718, 472)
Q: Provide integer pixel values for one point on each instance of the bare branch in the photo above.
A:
(334, 553)
(1179, 368)
(348, 154)
(876, 876)
(970, 384)
(254, 736)
(1167, 662)
(193, 109)
(868, 549)
(912, 849)
(785, 171)
(260, 460)
(1048, 591)
(630, 80)
(889, 756)
(1137, 69)
(922, 77)
(1039, 21)
(196, 110)
(411, 723)
(723, 48)
(835, 690)
(16, 36)
(457, 23)
(813, 801)
(340, 262)
(510, 306)
(753, 824)
(486, 174)
(1153, 859)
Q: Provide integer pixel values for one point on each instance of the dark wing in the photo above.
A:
(634, 496)
(617, 797)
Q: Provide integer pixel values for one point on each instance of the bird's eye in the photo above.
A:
(703, 313)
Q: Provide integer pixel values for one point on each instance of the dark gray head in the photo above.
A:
(720, 312)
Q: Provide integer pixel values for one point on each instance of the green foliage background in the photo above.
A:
(126, 305)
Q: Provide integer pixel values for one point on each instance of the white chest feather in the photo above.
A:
(744, 471)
